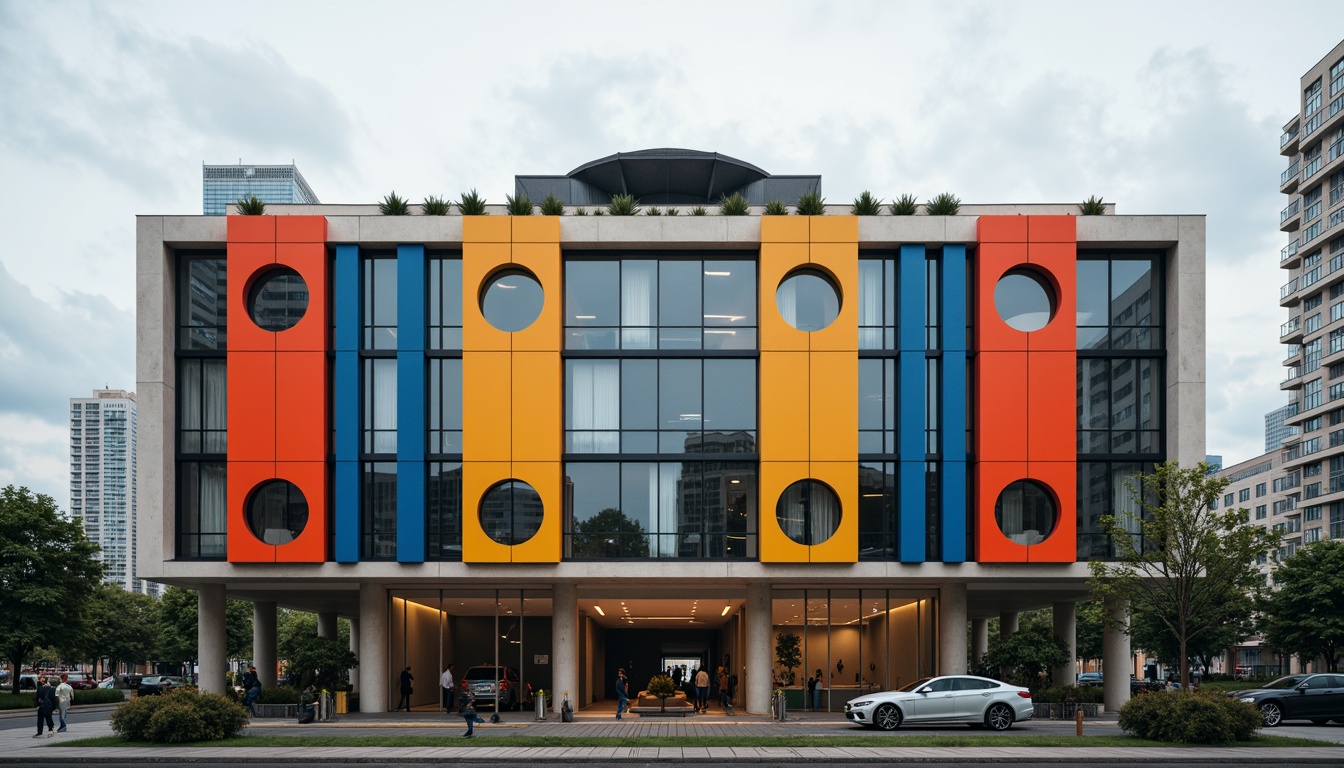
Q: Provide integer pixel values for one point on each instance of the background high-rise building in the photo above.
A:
(1276, 428)
(102, 480)
(224, 185)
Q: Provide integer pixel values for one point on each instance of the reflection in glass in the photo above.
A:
(443, 512)
(808, 512)
(278, 300)
(511, 512)
(380, 303)
(202, 313)
(378, 511)
(808, 300)
(380, 405)
(878, 531)
(1026, 512)
(201, 528)
(512, 300)
(445, 304)
(277, 512)
(1024, 300)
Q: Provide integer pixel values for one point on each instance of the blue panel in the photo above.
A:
(345, 405)
(911, 301)
(955, 504)
(411, 421)
(345, 303)
(410, 297)
(912, 514)
(346, 491)
(953, 321)
(910, 441)
(411, 416)
(955, 509)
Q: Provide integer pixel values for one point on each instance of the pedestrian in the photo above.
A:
(676, 674)
(251, 689)
(816, 693)
(732, 691)
(622, 693)
(724, 700)
(469, 712)
(811, 691)
(449, 692)
(65, 695)
(690, 689)
(702, 690)
(46, 704)
(407, 688)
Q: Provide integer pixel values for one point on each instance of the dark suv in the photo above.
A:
(513, 695)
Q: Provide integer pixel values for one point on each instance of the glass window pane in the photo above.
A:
(730, 293)
(384, 292)
(639, 394)
(513, 300)
(1131, 290)
(639, 303)
(592, 293)
(1093, 305)
(639, 494)
(872, 394)
(730, 395)
(679, 293)
(679, 406)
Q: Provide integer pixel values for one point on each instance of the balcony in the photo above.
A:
(1311, 168)
(1291, 351)
(1291, 331)
(1288, 141)
(1290, 218)
(1294, 379)
(1287, 254)
(1288, 179)
(1286, 293)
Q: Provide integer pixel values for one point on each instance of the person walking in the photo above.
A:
(622, 693)
(469, 712)
(407, 688)
(722, 681)
(251, 689)
(702, 690)
(46, 704)
(449, 692)
(65, 696)
(816, 693)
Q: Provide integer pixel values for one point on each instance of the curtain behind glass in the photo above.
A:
(639, 290)
(594, 405)
(385, 406)
(825, 514)
(213, 504)
(189, 384)
(870, 304)
(215, 414)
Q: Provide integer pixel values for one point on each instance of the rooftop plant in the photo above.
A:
(623, 205)
(580, 211)
(811, 204)
(518, 206)
(653, 210)
(435, 206)
(905, 205)
(1092, 206)
(866, 205)
(699, 210)
(598, 211)
(552, 206)
(250, 207)
(776, 208)
(943, 204)
(471, 204)
(673, 212)
(394, 205)
(733, 205)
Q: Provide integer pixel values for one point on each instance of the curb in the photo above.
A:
(1189, 756)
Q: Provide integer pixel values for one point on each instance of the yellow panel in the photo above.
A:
(542, 260)
(486, 229)
(537, 406)
(486, 421)
(536, 229)
(841, 260)
(834, 412)
(784, 406)
(784, 229)
(835, 229)
(777, 260)
(544, 546)
(477, 477)
(479, 261)
(843, 478)
(775, 546)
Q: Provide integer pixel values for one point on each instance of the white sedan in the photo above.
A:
(948, 699)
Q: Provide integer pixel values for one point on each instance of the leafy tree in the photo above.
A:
(662, 687)
(1091, 621)
(47, 572)
(787, 652)
(179, 631)
(610, 533)
(1149, 632)
(1191, 560)
(324, 661)
(118, 627)
(1028, 654)
(1304, 613)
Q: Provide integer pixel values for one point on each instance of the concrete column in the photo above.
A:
(1007, 623)
(1066, 628)
(374, 674)
(354, 648)
(565, 644)
(952, 629)
(979, 639)
(326, 624)
(211, 637)
(1115, 655)
(263, 642)
(759, 649)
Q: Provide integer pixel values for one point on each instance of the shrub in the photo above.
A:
(435, 206)
(1185, 717)
(552, 206)
(394, 205)
(471, 204)
(811, 204)
(1068, 694)
(653, 211)
(866, 205)
(179, 716)
(518, 206)
(281, 694)
(699, 210)
(580, 211)
(623, 205)
(1092, 206)
(250, 207)
(673, 212)
(99, 696)
(943, 204)
(776, 208)
(905, 205)
(733, 205)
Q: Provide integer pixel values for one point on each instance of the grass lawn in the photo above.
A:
(690, 741)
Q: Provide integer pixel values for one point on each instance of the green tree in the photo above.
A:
(610, 533)
(1028, 654)
(1304, 613)
(1091, 621)
(47, 572)
(1150, 633)
(323, 661)
(179, 631)
(787, 652)
(1190, 561)
(118, 627)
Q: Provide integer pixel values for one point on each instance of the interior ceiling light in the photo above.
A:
(717, 274)
(599, 610)
(726, 609)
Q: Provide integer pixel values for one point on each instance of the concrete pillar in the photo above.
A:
(565, 645)
(1115, 655)
(263, 642)
(1066, 628)
(1007, 623)
(374, 675)
(326, 624)
(979, 639)
(952, 629)
(759, 649)
(354, 648)
(211, 637)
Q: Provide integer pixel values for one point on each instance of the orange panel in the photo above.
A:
(544, 546)
(245, 260)
(841, 261)
(843, 478)
(538, 423)
(776, 547)
(243, 546)
(785, 229)
(486, 384)
(992, 262)
(477, 478)
(991, 546)
(1001, 406)
(301, 391)
(834, 229)
(834, 413)
(251, 402)
(486, 229)
(479, 261)
(1061, 478)
(1051, 415)
(301, 229)
(1052, 229)
(1058, 263)
(251, 229)
(784, 407)
(313, 330)
(536, 229)
(777, 260)
(311, 544)
(1001, 229)
(543, 261)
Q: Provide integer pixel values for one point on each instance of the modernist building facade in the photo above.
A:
(573, 443)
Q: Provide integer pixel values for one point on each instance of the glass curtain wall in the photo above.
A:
(202, 406)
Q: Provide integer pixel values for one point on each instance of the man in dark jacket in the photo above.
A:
(46, 704)
(251, 690)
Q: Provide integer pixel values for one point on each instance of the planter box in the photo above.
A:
(278, 710)
(1067, 711)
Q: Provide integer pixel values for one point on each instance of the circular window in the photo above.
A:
(277, 512)
(511, 512)
(278, 299)
(808, 512)
(511, 300)
(1025, 300)
(808, 300)
(1026, 512)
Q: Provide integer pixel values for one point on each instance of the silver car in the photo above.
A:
(949, 699)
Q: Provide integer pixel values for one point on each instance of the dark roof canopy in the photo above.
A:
(668, 174)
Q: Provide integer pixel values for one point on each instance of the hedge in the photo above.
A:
(1187, 717)
(1068, 694)
(28, 699)
(179, 716)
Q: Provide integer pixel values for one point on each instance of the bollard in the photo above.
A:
(566, 710)
(1079, 720)
(541, 705)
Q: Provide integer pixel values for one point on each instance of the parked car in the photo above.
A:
(28, 681)
(79, 681)
(1090, 680)
(1318, 698)
(947, 699)
(152, 684)
(513, 694)
(108, 682)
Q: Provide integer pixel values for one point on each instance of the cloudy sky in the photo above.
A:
(108, 109)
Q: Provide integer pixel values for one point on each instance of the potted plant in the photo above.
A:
(435, 206)
(471, 204)
(250, 207)
(905, 205)
(811, 204)
(662, 687)
(776, 208)
(623, 205)
(733, 205)
(394, 205)
(943, 204)
(552, 206)
(1092, 206)
(518, 206)
(866, 205)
